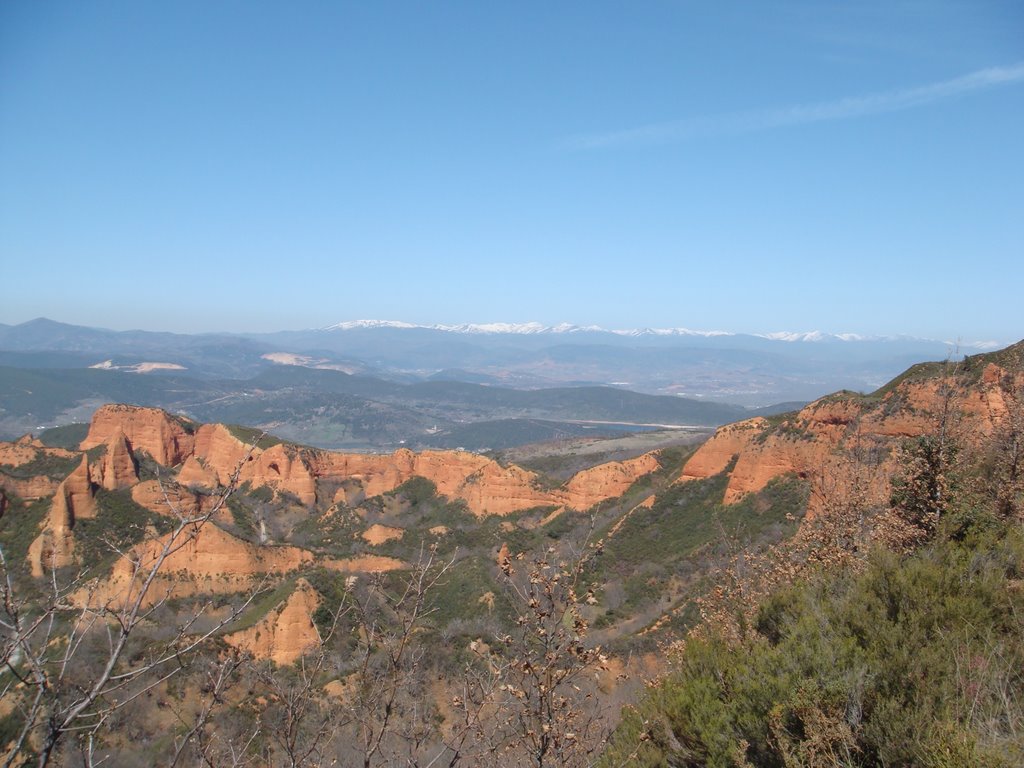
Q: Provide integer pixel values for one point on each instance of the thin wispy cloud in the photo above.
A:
(802, 114)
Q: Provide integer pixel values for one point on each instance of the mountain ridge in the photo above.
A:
(526, 328)
(533, 328)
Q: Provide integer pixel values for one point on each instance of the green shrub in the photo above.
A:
(916, 661)
(119, 524)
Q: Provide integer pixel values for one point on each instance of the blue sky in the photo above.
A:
(197, 166)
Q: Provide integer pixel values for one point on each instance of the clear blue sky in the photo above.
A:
(847, 167)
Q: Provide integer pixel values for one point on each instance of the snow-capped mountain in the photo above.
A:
(535, 328)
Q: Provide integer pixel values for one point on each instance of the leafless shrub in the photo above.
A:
(74, 660)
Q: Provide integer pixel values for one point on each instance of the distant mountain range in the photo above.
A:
(539, 328)
(367, 384)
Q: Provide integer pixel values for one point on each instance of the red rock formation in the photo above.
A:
(607, 481)
(759, 464)
(365, 564)
(811, 443)
(379, 534)
(210, 561)
(55, 545)
(78, 493)
(171, 500)
(286, 632)
(284, 468)
(168, 439)
(53, 548)
(488, 488)
(728, 442)
(215, 552)
(117, 467)
(195, 474)
(485, 486)
(24, 451)
(221, 452)
(498, 490)
(29, 488)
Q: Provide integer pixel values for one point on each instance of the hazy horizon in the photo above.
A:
(748, 168)
(528, 327)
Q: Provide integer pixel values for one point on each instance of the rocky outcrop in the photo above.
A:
(208, 561)
(171, 500)
(380, 534)
(20, 453)
(800, 445)
(284, 468)
(53, 548)
(26, 449)
(815, 442)
(168, 439)
(210, 455)
(117, 468)
(761, 463)
(221, 452)
(77, 492)
(55, 545)
(215, 553)
(498, 490)
(607, 481)
(29, 488)
(487, 487)
(365, 564)
(286, 632)
(726, 444)
(195, 474)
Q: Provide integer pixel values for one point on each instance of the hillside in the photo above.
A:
(859, 433)
(583, 568)
(888, 631)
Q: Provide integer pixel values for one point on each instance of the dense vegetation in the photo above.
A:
(915, 660)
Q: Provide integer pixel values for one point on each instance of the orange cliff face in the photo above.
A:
(74, 498)
(167, 439)
(172, 441)
(209, 455)
(208, 561)
(812, 442)
(607, 481)
(117, 468)
(286, 632)
(285, 468)
(487, 487)
(24, 451)
(727, 443)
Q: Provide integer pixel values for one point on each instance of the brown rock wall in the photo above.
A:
(607, 481)
(286, 632)
(221, 452)
(55, 545)
(117, 467)
(727, 443)
(194, 474)
(809, 442)
(167, 439)
(29, 488)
